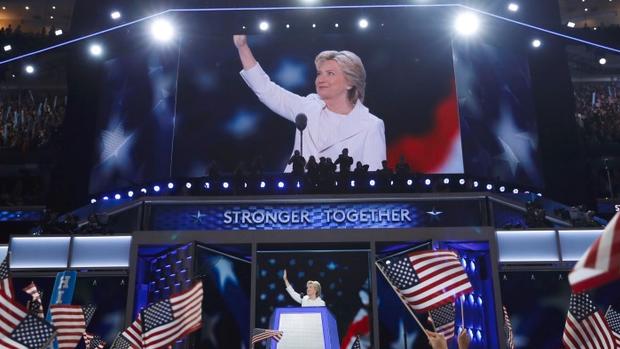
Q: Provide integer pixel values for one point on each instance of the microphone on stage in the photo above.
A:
(301, 121)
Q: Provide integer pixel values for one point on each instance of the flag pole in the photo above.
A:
(462, 313)
(402, 299)
(608, 308)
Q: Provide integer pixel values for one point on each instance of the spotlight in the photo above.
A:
(130, 194)
(58, 32)
(471, 299)
(92, 201)
(117, 196)
(372, 182)
(472, 265)
(476, 184)
(27, 8)
(462, 181)
(479, 301)
(427, 181)
(515, 191)
(502, 189)
(263, 184)
(489, 186)
(446, 181)
(336, 25)
(353, 184)
(29, 69)
(115, 15)
(105, 198)
(156, 188)
(539, 195)
(264, 26)
(298, 185)
(188, 185)
(536, 43)
(162, 30)
(207, 185)
(409, 182)
(143, 190)
(467, 24)
(96, 50)
(313, 25)
(7, 48)
(513, 7)
(170, 185)
(602, 61)
(280, 184)
(363, 23)
(288, 26)
(225, 185)
(478, 335)
(570, 24)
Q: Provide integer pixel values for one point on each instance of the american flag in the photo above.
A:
(89, 312)
(166, 321)
(5, 281)
(510, 339)
(35, 306)
(613, 319)
(601, 262)
(131, 338)
(443, 319)
(261, 334)
(70, 324)
(93, 342)
(428, 279)
(356, 344)
(20, 330)
(585, 325)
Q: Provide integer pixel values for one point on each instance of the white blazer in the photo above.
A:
(360, 131)
(305, 301)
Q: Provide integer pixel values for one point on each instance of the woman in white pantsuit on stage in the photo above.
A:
(313, 293)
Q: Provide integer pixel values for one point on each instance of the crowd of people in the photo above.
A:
(24, 40)
(598, 111)
(29, 120)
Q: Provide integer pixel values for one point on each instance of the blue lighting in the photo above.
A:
(188, 185)
(130, 194)
(464, 262)
(143, 190)
(479, 335)
(446, 181)
(106, 198)
(280, 184)
(462, 298)
(502, 189)
(471, 333)
(471, 299)
(539, 195)
(225, 185)
(92, 201)
(170, 185)
(207, 185)
(427, 181)
(298, 185)
(476, 184)
(409, 182)
(156, 188)
(262, 184)
(472, 265)
(353, 184)
(515, 191)
(117, 196)
(489, 186)
(461, 181)
(479, 301)
(372, 182)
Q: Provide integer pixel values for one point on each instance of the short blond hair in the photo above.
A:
(353, 69)
(316, 285)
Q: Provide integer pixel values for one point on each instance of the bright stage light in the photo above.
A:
(353, 184)
(513, 7)
(156, 188)
(105, 198)
(263, 184)
(188, 185)
(427, 181)
(336, 25)
(264, 26)
(570, 24)
(92, 201)
(476, 184)
(363, 23)
(7, 48)
(602, 61)
(117, 196)
(489, 186)
(29, 69)
(446, 181)
(58, 32)
(515, 191)
(225, 185)
(467, 24)
(280, 184)
(162, 30)
(130, 194)
(502, 189)
(409, 182)
(170, 185)
(372, 182)
(143, 190)
(96, 50)
(536, 43)
(462, 181)
(115, 15)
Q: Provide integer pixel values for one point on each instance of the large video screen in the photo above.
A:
(176, 111)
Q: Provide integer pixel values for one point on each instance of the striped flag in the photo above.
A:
(356, 344)
(131, 338)
(89, 312)
(443, 319)
(261, 334)
(93, 342)
(20, 330)
(601, 262)
(427, 279)
(35, 306)
(70, 324)
(585, 325)
(613, 319)
(5, 281)
(510, 338)
(166, 321)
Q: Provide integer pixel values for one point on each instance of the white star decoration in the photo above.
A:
(113, 141)
(198, 217)
(225, 273)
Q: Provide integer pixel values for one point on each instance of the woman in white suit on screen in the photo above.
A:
(337, 119)
(313, 293)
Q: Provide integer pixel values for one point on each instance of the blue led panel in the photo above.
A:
(527, 246)
(39, 252)
(574, 243)
(100, 252)
(4, 249)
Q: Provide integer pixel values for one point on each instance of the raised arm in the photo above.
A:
(296, 296)
(276, 98)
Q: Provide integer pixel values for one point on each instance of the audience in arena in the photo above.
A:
(598, 111)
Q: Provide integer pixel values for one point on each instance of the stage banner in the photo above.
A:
(338, 215)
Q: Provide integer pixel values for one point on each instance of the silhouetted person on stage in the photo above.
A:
(361, 171)
(385, 173)
(313, 170)
(345, 162)
(402, 170)
(299, 163)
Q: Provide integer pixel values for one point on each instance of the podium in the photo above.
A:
(305, 328)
